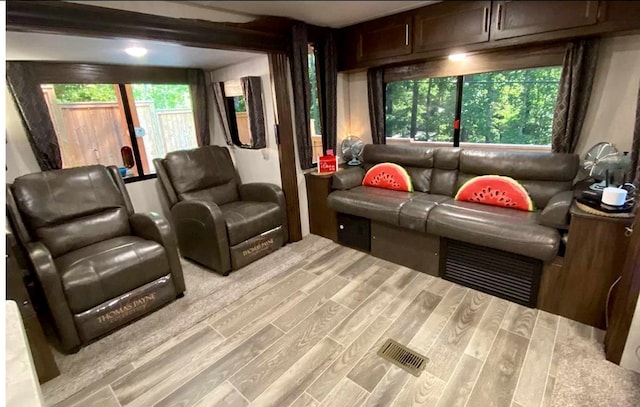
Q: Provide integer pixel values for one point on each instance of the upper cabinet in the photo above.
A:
(518, 18)
(383, 38)
(436, 30)
(450, 24)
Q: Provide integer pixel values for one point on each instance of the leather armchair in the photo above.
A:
(99, 264)
(220, 223)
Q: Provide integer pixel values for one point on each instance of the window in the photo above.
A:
(314, 125)
(237, 113)
(505, 107)
(92, 123)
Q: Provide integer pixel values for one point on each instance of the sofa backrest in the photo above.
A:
(432, 170)
(71, 208)
(417, 160)
(542, 174)
(205, 173)
(443, 170)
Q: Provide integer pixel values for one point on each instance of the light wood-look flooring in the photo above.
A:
(310, 337)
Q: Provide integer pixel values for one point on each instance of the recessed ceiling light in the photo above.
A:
(457, 57)
(137, 52)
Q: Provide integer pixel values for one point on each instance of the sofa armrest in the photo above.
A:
(51, 284)
(152, 226)
(348, 178)
(202, 234)
(556, 213)
(265, 192)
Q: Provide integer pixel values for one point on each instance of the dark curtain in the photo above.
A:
(220, 103)
(200, 103)
(634, 174)
(32, 106)
(252, 90)
(327, 72)
(576, 81)
(375, 87)
(301, 93)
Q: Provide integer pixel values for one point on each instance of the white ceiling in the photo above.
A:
(50, 47)
(324, 13)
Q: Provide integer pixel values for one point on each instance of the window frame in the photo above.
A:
(121, 75)
(457, 124)
(529, 57)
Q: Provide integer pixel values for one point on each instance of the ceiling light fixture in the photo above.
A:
(458, 57)
(137, 52)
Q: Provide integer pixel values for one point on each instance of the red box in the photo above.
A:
(328, 163)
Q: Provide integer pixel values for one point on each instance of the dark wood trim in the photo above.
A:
(496, 60)
(140, 178)
(624, 303)
(279, 68)
(78, 19)
(76, 72)
(614, 18)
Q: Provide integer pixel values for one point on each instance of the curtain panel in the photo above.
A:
(301, 93)
(252, 90)
(375, 90)
(200, 104)
(219, 101)
(327, 72)
(33, 109)
(576, 81)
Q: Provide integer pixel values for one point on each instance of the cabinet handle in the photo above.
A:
(499, 24)
(406, 34)
(485, 20)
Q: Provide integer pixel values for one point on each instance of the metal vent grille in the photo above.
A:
(506, 275)
(403, 357)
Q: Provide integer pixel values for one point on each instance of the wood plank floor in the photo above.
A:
(311, 340)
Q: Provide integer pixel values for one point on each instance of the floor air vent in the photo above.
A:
(403, 357)
(506, 275)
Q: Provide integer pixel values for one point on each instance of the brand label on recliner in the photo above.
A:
(135, 306)
(258, 247)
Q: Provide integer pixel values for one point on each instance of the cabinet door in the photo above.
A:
(384, 38)
(621, 12)
(450, 24)
(517, 18)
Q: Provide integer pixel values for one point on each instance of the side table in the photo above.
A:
(322, 219)
(595, 256)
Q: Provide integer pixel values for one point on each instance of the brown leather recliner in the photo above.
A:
(100, 264)
(220, 222)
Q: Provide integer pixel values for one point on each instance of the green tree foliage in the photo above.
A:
(78, 92)
(313, 84)
(510, 107)
(162, 96)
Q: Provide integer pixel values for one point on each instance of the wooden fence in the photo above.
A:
(94, 132)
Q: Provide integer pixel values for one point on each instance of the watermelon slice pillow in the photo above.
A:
(388, 176)
(497, 191)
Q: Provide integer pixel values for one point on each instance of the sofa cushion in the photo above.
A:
(542, 174)
(105, 270)
(500, 228)
(416, 160)
(373, 203)
(246, 219)
(414, 214)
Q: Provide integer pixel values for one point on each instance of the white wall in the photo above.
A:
(611, 112)
(253, 165)
(612, 107)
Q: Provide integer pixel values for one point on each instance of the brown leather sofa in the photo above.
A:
(220, 222)
(99, 264)
(438, 173)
